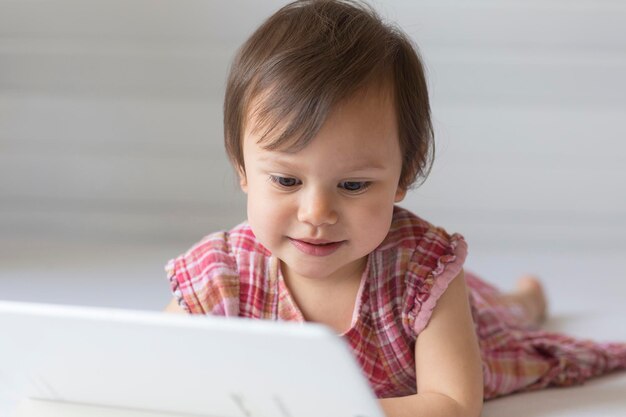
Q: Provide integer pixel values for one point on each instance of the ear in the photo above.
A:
(400, 193)
(243, 181)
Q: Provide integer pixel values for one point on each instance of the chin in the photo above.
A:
(309, 271)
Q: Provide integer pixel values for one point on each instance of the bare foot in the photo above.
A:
(530, 294)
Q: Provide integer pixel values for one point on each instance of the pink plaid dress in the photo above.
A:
(231, 274)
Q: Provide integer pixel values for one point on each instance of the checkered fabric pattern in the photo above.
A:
(231, 274)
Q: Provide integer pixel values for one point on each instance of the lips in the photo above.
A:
(316, 247)
(316, 241)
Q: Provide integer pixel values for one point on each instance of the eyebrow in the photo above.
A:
(359, 166)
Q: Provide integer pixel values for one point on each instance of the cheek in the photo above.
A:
(376, 215)
(383, 200)
(259, 206)
(265, 215)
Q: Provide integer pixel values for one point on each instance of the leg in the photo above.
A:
(530, 295)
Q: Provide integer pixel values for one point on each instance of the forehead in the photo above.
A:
(360, 128)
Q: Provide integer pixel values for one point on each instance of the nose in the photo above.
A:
(317, 207)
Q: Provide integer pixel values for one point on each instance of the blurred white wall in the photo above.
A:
(110, 119)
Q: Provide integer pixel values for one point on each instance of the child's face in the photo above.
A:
(340, 188)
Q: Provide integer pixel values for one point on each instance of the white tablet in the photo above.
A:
(122, 362)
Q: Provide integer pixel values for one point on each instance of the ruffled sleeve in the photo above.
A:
(438, 258)
(205, 279)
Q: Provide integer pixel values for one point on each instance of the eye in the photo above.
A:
(285, 182)
(355, 186)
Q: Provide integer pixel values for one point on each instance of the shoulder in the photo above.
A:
(215, 251)
(410, 232)
(422, 260)
(205, 279)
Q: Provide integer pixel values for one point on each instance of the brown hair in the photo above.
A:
(309, 56)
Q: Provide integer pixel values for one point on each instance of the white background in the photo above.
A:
(111, 156)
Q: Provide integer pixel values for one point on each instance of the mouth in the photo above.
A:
(316, 247)
(317, 241)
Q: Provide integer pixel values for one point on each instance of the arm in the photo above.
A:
(447, 361)
(173, 307)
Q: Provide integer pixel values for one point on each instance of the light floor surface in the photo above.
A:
(586, 289)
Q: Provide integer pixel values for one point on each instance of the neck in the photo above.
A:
(344, 277)
(329, 300)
